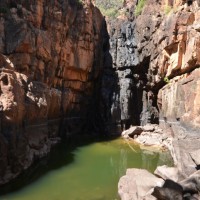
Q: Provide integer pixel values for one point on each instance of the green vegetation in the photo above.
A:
(111, 12)
(139, 7)
(166, 80)
(109, 8)
(167, 9)
(78, 2)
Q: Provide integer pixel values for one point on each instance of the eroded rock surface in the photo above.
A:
(148, 52)
(50, 62)
(166, 75)
(138, 184)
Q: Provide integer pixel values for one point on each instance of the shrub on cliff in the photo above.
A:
(139, 7)
(109, 8)
(167, 9)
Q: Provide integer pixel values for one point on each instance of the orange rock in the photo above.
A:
(51, 48)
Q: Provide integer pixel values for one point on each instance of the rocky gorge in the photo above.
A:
(66, 69)
(158, 76)
(51, 59)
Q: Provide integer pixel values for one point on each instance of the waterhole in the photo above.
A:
(82, 170)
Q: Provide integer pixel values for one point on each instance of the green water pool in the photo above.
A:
(82, 170)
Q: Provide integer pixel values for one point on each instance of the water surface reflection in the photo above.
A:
(82, 170)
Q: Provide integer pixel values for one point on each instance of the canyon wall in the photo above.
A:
(60, 75)
(151, 55)
(50, 60)
(154, 63)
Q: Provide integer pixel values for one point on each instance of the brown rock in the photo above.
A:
(53, 58)
(134, 130)
(178, 100)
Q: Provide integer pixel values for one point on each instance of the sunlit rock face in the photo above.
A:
(50, 60)
(154, 62)
(174, 62)
(155, 73)
(171, 43)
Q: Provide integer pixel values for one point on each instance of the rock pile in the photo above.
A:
(181, 182)
(148, 135)
(188, 189)
(139, 184)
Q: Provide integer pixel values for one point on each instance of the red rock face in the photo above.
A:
(171, 41)
(146, 52)
(50, 58)
(179, 101)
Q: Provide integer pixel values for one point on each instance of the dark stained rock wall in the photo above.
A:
(127, 92)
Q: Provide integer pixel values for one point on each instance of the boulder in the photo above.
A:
(187, 189)
(170, 191)
(195, 155)
(134, 130)
(166, 172)
(154, 139)
(182, 157)
(192, 183)
(138, 184)
(149, 127)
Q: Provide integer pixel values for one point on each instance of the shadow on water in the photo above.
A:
(60, 155)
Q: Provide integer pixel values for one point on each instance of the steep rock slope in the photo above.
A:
(153, 50)
(50, 61)
(173, 47)
(153, 65)
(154, 69)
(172, 43)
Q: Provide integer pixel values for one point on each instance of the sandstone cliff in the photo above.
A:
(151, 55)
(153, 65)
(54, 55)
(50, 61)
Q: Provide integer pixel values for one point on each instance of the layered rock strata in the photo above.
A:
(50, 62)
(153, 64)
(173, 50)
(148, 52)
